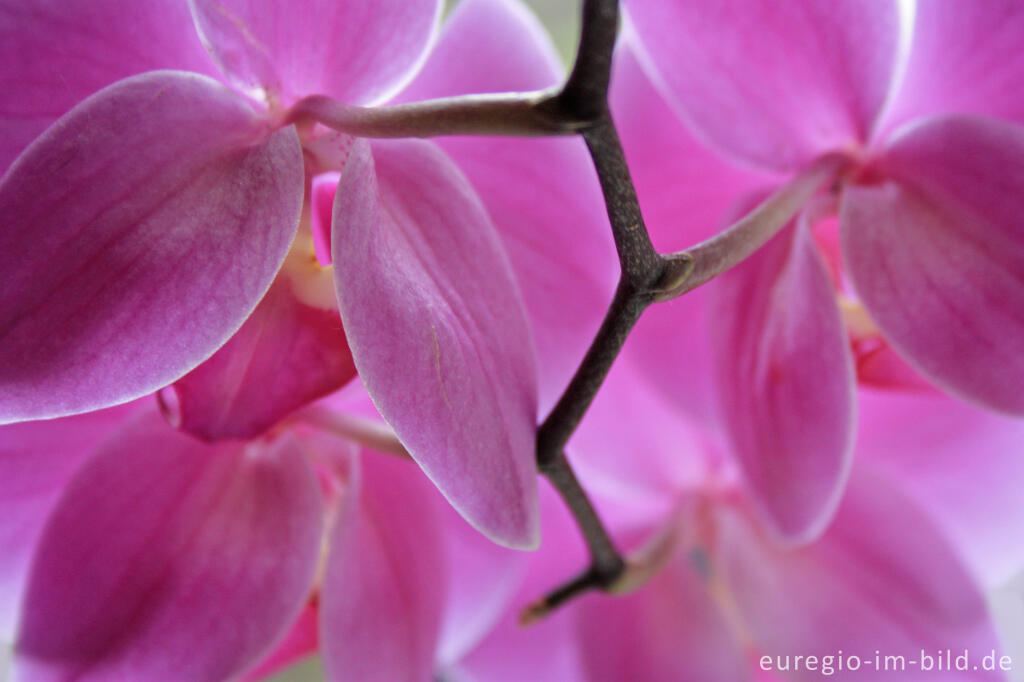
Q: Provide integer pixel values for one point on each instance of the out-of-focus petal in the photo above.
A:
(546, 650)
(482, 578)
(37, 459)
(962, 462)
(55, 53)
(357, 51)
(383, 591)
(774, 84)
(542, 195)
(438, 330)
(668, 631)
(139, 232)
(687, 193)
(883, 578)
(965, 57)
(786, 381)
(301, 641)
(935, 249)
(287, 354)
(167, 559)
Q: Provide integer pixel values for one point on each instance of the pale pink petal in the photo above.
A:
(546, 650)
(287, 354)
(786, 381)
(139, 232)
(962, 462)
(542, 195)
(55, 53)
(482, 578)
(356, 51)
(383, 591)
(438, 330)
(772, 83)
(687, 194)
(167, 559)
(935, 250)
(37, 459)
(965, 57)
(883, 578)
(669, 631)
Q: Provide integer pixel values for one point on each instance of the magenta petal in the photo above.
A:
(140, 231)
(883, 578)
(37, 459)
(383, 593)
(966, 57)
(936, 253)
(287, 354)
(669, 631)
(438, 330)
(353, 50)
(786, 381)
(542, 194)
(773, 83)
(188, 561)
(55, 53)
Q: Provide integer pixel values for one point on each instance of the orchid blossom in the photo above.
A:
(170, 222)
(912, 244)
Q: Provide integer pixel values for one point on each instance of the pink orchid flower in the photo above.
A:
(903, 568)
(916, 248)
(179, 243)
(134, 551)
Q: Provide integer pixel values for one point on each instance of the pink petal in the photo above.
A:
(55, 53)
(687, 194)
(37, 459)
(883, 578)
(301, 641)
(774, 84)
(438, 330)
(141, 229)
(935, 250)
(482, 579)
(964, 464)
(965, 57)
(542, 194)
(383, 594)
(671, 630)
(786, 381)
(356, 51)
(188, 561)
(287, 354)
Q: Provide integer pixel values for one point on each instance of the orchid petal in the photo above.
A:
(668, 631)
(37, 459)
(774, 84)
(382, 597)
(963, 463)
(438, 331)
(786, 381)
(169, 539)
(482, 578)
(935, 251)
(140, 231)
(301, 641)
(687, 194)
(542, 194)
(55, 53)
(357, 51)
(883, 578)
(287, 354)
(965, 58)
